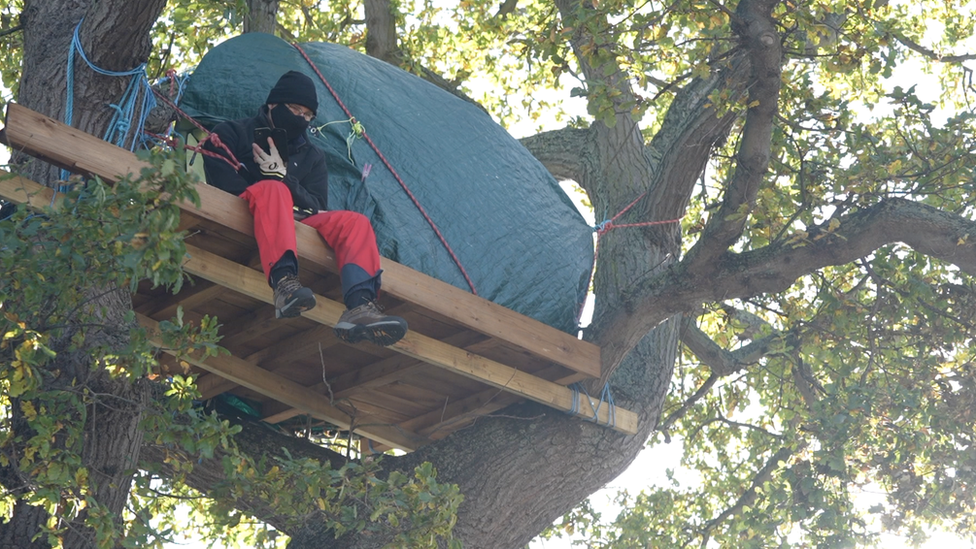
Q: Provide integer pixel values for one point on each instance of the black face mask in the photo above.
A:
(294, 125)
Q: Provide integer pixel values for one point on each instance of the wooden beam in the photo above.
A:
(437, 424)
(373, 375)
(461, 412)
(251, 283)
(287, 391)
(165, 307)
(80, 152)
(273, 358)
(20, 190)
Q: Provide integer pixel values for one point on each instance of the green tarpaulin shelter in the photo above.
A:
(515, 232)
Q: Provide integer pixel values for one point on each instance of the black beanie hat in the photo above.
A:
(294, 87)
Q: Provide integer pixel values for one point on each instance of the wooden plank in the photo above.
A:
(354, 382)
(188, 298)
(253, 325)
(251, 283)
(20, 190)
(460, 412)
(274, 358)
(456, 414)
(75, 150)
(291, 393)
(377, 374)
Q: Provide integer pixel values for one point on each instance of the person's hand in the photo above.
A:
(269, 163)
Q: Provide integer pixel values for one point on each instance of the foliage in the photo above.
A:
(350, 499)
(856, 421)
(91, 241)
(11, 47)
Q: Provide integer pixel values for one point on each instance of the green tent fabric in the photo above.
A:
(516, 233)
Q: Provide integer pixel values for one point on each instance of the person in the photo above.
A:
(278, 193)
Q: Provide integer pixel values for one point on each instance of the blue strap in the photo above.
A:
(606, 396)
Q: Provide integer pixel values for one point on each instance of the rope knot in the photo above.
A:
(604, 226)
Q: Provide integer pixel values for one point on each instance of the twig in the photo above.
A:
(749, 495)
(327, 385)
(686, 405)
(915, 46)
(11, 30)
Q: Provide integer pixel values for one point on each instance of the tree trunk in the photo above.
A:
(262, 15)
(115, 36)
(381, 37)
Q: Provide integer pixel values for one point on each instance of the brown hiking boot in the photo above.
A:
(367, 322)
(291, 298)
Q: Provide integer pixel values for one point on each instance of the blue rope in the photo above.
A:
(575, 407)
(125, 111)
(606, 396)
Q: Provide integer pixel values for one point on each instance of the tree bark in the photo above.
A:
(381, 37)
(115, 36)
(262, 16)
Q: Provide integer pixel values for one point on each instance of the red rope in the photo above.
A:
(392, 171)
(607, 226)
(174, 143)
(212, 137)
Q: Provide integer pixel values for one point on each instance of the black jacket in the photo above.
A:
(307, 175)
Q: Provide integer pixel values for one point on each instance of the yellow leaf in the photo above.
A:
(28, 408)
(832, 226)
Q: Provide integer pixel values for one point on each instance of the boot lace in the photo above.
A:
(289, 284)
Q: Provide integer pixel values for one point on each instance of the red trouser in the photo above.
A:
(348, 233)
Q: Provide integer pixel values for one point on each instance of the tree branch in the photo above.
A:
(381, 38)
(754, 324)
(720, 361)
(759, 36)
(261, 16)
(684, 286)
(686, 405)
(11, 30)
(749, 495)
(256, 440)
(691, 128)
(722, 419)
(590, 48)
(933, 55)
(565, 153)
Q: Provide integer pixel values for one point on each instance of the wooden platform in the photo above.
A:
(464, 357)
